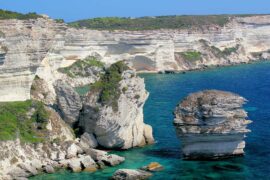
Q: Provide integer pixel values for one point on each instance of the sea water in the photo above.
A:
(251, 81)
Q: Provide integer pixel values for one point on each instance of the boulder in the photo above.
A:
(88, 164)
(36, 163)
(96, 154)
(104, 157)
(130, 174)
(73, 150)
(75, 165)
(61, 155)
(154, 166)
(48, 169)
(112, 159)
(69, 102)
(18, 172)
(211, 124)
(88, 141)
(29, 169)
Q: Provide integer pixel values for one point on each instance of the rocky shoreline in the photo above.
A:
(25, 160)
(72, 126)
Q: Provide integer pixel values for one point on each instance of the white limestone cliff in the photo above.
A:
(41, 46)
(211, 124)
(123, 128)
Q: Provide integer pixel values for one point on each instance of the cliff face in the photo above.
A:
(119, 125)
(211, 124)
(24, 44)
(47, 45)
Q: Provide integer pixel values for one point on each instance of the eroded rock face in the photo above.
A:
(211, 124)
(88, 141)
(41, 46)
(69, 102)
(123, 128)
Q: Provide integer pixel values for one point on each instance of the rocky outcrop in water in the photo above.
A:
(119, 125)
(211, 124)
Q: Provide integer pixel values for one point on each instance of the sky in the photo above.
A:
(71, 10)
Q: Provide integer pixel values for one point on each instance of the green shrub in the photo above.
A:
(78, 68)
(108, 85)
(191, 55)
(15, 121)
(40, 115)
(229, 51)
(59, 20)
(137, 96)
(124, 89)
(14, 15)
(226, 52)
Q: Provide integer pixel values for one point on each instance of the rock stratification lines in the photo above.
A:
(211, 124)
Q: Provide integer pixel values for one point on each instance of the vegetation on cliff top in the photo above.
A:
(152, 23)
(108, 85)
(25, 120)
(80, 67)
(14, 15)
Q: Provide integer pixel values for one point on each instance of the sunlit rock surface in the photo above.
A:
(124, 127)
(41, 46)
(211, 124)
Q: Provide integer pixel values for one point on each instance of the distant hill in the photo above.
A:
(152, 23)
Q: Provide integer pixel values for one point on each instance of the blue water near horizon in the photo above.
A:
(251, 81)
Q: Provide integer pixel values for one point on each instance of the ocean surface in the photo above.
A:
(251, 81)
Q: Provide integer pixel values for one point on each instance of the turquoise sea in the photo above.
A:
(251, 81)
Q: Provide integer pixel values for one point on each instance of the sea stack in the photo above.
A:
(211, 124)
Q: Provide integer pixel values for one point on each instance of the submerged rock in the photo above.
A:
(211, 124)
(130, 174)
(154, 166)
